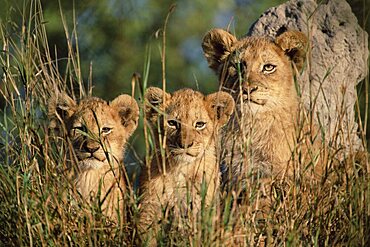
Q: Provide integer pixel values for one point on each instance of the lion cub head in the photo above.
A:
(97, 129)
(191, 119)
(257, 68)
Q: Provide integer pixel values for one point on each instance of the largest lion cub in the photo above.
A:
(267, 127)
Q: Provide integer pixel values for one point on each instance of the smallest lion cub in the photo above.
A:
(177, 181)
(98, 131)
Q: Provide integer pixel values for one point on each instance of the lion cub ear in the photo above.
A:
(217, 45)
(128, 111)
(60, 107)
(154, 102)
(220, 105)
(294, 44)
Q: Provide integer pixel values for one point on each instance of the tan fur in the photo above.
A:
(190, 153)
(267, 126)
(98, 132)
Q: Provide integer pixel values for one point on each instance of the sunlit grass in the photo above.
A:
(40, 207)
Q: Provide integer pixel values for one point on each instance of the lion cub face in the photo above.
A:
(98, 130)
(256, 68)
(191, 121)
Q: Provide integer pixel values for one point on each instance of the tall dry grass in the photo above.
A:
(40, 207)
(40, 204)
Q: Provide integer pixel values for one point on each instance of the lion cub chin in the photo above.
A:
(172, 184)
(98, 131)
(268, 126)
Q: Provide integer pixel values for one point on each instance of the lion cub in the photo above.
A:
(190, 123)
(98, 132)
(268, 126)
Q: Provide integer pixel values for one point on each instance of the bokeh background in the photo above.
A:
(116, 38)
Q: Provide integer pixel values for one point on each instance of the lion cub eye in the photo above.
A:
(172, 124)
(200, 125)
(106, 130)
(80, 129)
(269, 68)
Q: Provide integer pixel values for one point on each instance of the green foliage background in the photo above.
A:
(116, 36)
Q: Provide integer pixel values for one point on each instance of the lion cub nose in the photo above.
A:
(249, 89)
(186, 145)
(90, 148)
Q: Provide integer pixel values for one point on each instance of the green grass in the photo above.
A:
(40, 207)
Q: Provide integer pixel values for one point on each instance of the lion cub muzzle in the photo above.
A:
(250, 94)
(183, 138)
(182, 144)
(90, 149)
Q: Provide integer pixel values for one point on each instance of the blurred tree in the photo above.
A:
(113, 36)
